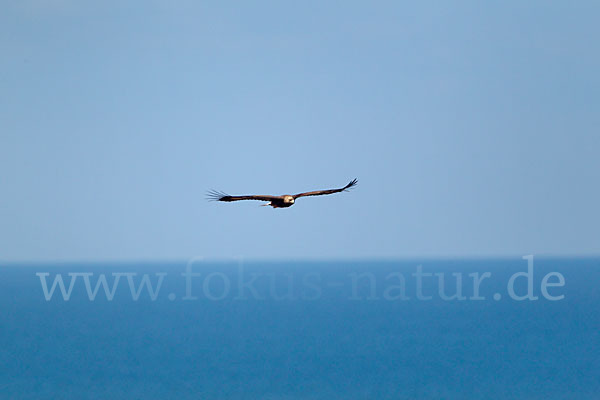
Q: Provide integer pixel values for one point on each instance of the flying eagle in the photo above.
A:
(282, 201)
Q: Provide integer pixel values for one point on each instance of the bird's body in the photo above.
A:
(282, 201)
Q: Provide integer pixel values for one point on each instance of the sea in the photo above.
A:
(523, 327)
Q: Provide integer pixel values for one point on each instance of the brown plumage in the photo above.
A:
(282, 201)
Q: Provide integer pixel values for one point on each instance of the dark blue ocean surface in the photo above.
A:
(302, 330)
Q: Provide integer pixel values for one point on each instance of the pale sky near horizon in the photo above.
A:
(473, 128)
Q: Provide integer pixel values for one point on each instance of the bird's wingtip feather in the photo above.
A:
(352, 183)
(215, 195)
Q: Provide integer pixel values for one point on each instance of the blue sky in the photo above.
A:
(471, 126)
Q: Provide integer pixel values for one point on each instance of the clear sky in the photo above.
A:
(473, 128)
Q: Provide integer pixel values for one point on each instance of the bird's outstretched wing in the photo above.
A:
(220, 196)
(328, 191)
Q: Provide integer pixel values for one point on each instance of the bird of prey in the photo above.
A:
(282, 201)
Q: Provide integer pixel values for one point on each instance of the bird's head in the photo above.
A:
(288, 199)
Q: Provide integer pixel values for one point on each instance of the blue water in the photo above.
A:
(301, 330)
